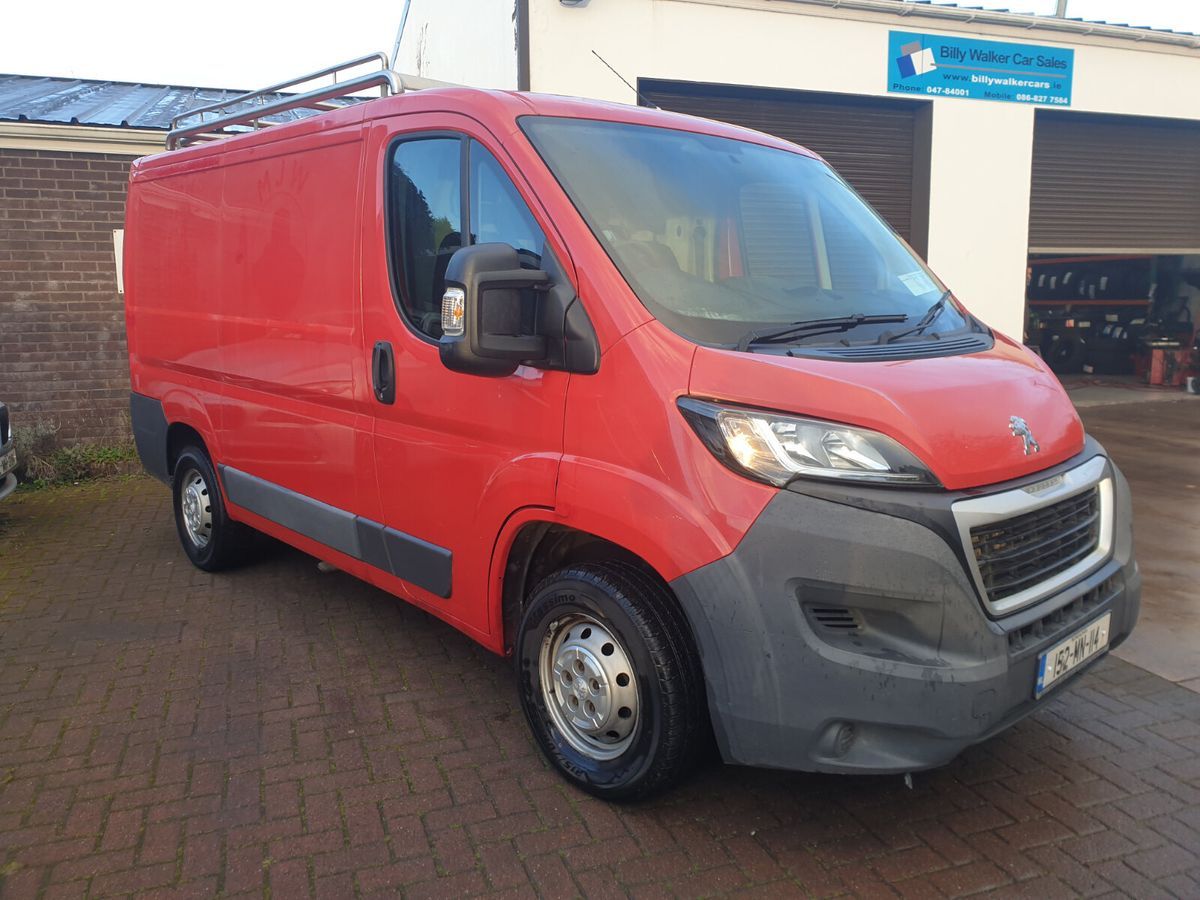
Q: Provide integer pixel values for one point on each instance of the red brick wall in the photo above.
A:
(62, 322)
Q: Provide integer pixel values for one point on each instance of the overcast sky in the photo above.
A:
(243, 43)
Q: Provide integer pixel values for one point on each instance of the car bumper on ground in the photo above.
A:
(8, 462)
(847, 633)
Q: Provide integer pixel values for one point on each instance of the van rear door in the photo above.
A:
(455, 454)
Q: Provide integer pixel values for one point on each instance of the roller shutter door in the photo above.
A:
(1105, 184)
(869, 142)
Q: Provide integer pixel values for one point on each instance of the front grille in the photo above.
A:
(1019, 553)
(4, 435)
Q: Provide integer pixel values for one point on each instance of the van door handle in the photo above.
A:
(383, 372)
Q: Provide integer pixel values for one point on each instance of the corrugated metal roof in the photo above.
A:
(112, 104)
(1076, 19)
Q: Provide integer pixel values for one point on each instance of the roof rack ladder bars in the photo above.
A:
(211, 129)
(291, 82)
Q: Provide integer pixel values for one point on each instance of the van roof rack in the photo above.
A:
(250, 111)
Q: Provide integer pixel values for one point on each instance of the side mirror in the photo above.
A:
(490, 321)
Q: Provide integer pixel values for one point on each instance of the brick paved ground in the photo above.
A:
(275, 729)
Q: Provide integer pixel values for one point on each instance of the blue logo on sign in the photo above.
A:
(915, 60)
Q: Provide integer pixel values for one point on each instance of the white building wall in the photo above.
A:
(979, 206)
(471, 42)
(981, 151)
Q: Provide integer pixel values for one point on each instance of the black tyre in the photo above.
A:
(609, 680)
(1064, 352)
(211, 540)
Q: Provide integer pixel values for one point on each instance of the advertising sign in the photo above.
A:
(935, 65)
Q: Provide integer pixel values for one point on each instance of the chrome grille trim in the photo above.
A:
(993, 508)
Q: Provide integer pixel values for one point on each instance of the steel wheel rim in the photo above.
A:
(589, 686)
(195, 505)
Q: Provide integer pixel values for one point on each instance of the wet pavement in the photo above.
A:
(1157, 446)
(275, 731)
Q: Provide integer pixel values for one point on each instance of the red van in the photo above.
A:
(656, 405)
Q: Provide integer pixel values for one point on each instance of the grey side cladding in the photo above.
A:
(416, 561)
(149, 424)
(323, 523)
(420, 562)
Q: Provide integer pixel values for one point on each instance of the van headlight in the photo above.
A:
(776, 448)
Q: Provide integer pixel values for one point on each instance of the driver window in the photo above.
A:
(426, 217)
(498, 214)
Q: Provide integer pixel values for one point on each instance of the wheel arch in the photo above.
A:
(179, 436)
(187, 422)
(537, 546)
(162, 426)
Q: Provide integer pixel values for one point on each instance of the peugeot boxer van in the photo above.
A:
(656, 406)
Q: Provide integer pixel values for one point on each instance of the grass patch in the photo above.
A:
(42, 458)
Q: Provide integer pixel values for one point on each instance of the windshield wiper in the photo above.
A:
(810, 327)
(926, 320)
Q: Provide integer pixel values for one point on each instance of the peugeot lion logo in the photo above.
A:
(1020, 428)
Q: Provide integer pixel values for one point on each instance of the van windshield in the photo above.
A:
(722, 239)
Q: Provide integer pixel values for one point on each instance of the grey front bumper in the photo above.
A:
(842, 637)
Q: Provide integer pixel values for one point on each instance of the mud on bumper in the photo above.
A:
(846, 633)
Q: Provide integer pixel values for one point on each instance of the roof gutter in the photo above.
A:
(1010, 20)
(81, 138)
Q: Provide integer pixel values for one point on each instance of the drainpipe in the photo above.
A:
(522, 14)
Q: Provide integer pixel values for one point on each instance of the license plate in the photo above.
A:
(1068, 655)
(8, 462)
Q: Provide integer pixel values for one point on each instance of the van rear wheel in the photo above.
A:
(609, 681)
(211, 540)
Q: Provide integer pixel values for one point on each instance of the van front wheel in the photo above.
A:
(608, 680)
(211, 540)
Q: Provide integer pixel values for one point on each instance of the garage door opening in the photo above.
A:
(1114, 261)
(1120, 317)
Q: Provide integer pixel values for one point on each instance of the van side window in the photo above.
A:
(498, 214)
(425, 196)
